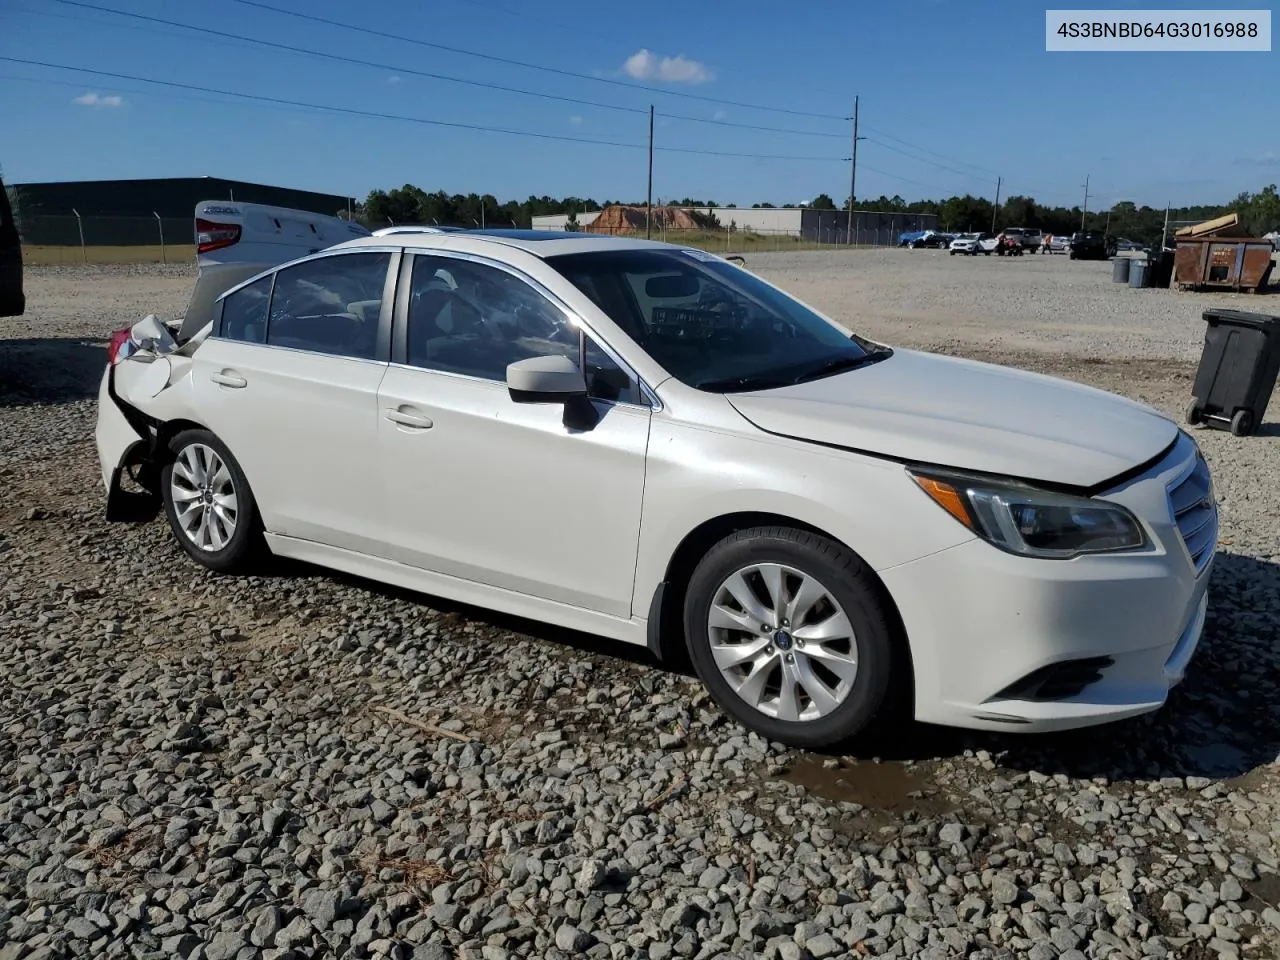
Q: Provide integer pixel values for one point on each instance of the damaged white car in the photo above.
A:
(649, 443)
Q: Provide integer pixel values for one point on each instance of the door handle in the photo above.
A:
(229, 379)
(417, 421)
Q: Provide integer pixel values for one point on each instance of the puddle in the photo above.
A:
(1265, 890)
(877, 786)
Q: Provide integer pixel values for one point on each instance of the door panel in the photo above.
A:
(302, 426)
(505, 494)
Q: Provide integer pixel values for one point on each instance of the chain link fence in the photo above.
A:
(819, 229)
(57, 238)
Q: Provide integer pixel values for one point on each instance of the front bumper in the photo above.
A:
(980, 621)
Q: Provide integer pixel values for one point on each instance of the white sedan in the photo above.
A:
(648, 443)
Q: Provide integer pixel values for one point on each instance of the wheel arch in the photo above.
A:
(666, 639)
(140, 500)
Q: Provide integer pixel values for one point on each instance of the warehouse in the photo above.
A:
(133, 212)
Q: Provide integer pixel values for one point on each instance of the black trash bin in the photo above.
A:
(1237, 373)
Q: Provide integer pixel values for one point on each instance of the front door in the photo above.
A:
(481, 487)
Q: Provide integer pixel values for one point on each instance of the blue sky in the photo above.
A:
(952, 95)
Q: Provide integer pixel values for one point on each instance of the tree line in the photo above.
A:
(1259, 212)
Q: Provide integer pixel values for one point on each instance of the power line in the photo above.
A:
(446, 48)
(915, 146)
(894, 176)
(413, 71)
(533, 66)
(81, 18)
(956, 170)
(577, 30)
(377, 115)
(341, 58)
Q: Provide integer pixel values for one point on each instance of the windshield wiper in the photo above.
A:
(839, 365)
(735, 384)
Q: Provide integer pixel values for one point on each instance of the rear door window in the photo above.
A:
(244, 313)
(330, 305)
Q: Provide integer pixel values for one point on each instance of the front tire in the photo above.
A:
(208, 502)
(792, 636)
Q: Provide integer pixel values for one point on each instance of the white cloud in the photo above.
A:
(393, 79)
(719, 115)
(97, 100)
(576, 120)
(646, 65)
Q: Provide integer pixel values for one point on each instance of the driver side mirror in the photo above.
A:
(548, 379)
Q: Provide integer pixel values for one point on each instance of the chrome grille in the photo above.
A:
(1196, 513)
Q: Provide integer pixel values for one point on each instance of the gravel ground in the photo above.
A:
(301, 765)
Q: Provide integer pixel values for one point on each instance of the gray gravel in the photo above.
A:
(204, 767)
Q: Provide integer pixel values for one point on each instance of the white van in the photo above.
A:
(236, 240)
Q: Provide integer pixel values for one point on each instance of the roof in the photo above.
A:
(539, 243)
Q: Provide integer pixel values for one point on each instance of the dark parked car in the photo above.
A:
(1092, 245)
(12, 300)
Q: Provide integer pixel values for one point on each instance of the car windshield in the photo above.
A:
(710, 324)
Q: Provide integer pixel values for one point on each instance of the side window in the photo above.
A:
(330, 305)
(474, 319)
(244, 313)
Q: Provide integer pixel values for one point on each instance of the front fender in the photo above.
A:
(695, 475)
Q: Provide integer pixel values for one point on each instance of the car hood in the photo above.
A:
(933, 409)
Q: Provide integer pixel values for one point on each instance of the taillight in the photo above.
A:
(121, 345)
(215, 236)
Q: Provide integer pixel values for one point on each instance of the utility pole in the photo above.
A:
(648, 198)
(1086, 202)
(853, 170)
(996, 205)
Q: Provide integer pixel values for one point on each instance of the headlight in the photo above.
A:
(1031, 522)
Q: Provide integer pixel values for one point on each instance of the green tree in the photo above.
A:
(822, 202)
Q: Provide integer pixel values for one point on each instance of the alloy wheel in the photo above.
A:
(782, 642)
(204, 497)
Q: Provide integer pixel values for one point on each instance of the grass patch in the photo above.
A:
(173, 252)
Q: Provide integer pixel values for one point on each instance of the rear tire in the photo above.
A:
(208, 503)
(1195, 415)
(809, 658)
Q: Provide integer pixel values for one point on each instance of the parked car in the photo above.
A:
(972, 244)
(927, 240)
(1029, 237)
(1009, 244)
(1060, 243)
(1092, 245)
(13, 301)
(646, 442)
(1125, 246)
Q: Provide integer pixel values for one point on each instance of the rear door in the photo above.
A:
(289, 380)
